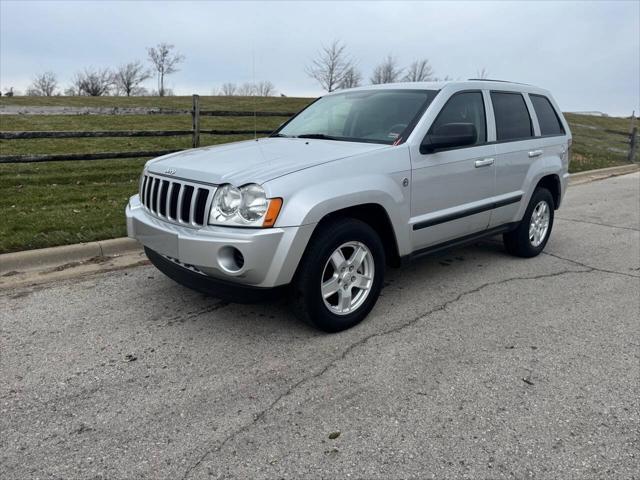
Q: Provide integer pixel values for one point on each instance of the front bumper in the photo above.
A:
(271, 255)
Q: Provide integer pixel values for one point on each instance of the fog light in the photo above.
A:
(230, 259)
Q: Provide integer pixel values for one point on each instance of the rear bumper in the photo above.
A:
(270, 255)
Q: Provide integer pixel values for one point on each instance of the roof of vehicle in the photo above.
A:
(457, 84)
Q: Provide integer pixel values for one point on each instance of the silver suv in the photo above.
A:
(358, 180)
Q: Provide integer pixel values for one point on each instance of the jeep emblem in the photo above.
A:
(170, 171)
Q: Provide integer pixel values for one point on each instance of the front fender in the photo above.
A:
(309, 195)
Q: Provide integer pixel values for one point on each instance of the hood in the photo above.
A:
(255, 161)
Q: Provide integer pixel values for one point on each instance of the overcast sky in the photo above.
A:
(586, 53)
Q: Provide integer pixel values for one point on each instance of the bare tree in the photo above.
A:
(330, 67)
(247, 90)
(265, 88)
(386, 72)
(44, 85)
(351, 78)
(419, 71)
(128, 77)
(228, 89)
(482, 73)
(9, 93)
(94, 83)
(165, 61)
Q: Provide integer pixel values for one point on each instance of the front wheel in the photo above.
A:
(340, 276)
(532, 234)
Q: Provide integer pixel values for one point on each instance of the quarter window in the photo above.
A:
(464, 107)
(547, 116)
(512, 116)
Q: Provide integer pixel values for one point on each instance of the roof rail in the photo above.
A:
(493, 80)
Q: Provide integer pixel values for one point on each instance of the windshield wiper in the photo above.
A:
(319, 136)
(279, 135)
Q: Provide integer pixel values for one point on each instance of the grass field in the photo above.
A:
(57, 203)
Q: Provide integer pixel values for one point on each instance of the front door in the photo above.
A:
(452, 189)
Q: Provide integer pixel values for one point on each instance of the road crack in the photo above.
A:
(439, 308)
(591, 268)
(596, 223)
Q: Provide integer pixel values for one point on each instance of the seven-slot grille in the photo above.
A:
(180, 202)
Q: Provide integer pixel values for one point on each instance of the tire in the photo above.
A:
(322, 267)
(519, 242)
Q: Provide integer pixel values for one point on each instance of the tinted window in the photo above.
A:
(547, 117)
(512, 117)
(465, 107)
(379, 116)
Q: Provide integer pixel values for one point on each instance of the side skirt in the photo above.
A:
(457, 242)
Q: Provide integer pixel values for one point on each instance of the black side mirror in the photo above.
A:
(449, 135)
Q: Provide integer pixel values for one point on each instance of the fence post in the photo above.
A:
(195, 117)
(633, 143)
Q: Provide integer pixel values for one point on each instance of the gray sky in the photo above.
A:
(586, 53)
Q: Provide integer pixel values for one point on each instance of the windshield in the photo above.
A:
(376, 116)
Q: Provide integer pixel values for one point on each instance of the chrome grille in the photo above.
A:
(177, 201)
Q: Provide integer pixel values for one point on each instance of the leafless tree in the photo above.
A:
(228, 89)
(92, 82)
(351, 78)
(386, 72)
(482, 73)
(265, 88)
(9, 93)
(331, 66)
(168, 92)
(419, 71)
(128, 77)
(44, 85)
(73, 90)
(247, 89)
(165, 61)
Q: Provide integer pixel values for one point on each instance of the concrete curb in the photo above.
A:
(592, 175)
(50, 257)
(82, 252)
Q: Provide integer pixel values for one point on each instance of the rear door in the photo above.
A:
(516, 149)
(452, 189)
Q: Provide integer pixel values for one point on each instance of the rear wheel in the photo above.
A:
(340, 276)
(532, 234)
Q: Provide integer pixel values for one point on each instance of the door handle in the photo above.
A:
(484, 162)
(535, 153)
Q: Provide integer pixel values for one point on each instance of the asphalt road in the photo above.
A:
(473, 363)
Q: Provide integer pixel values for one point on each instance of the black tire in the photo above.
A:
(517, 242)
(308, 302)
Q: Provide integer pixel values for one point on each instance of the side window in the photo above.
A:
(512, 117)
(464, 107)
(547, 117)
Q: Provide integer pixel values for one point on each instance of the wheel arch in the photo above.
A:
(377, 217)
(552, 183)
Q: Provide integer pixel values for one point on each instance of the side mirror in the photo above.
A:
(449, 135)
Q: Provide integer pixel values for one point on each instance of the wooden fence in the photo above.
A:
(630, 139)
(195, 133)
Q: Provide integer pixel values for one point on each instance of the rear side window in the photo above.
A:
(547, 117)
(512, 117)
(464, 107)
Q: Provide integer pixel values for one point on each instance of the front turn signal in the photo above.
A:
(275, 204)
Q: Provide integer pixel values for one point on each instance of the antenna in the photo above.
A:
(255, 92)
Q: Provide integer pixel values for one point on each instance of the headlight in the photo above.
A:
(247, 206)
(225, 203)
(254, 203)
